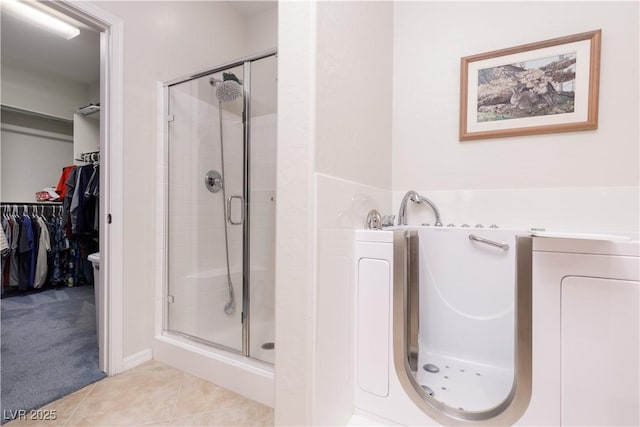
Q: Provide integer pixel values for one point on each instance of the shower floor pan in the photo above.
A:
(462, 384)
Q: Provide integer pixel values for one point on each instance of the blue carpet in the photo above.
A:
(49, 347)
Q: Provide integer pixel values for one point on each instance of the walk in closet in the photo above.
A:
(50, 207)
(49, 146)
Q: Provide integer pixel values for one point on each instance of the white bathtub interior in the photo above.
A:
(466, 315)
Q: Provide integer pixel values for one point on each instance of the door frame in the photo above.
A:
(111, 299)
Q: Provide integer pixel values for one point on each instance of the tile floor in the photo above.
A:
(154, 394)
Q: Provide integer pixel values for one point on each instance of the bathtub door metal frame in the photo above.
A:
(405, 272)
(246, 265)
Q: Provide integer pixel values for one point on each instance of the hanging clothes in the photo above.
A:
(81, 201)
(4, 245)
(4, 254)
(14, 276)
(26, 264)
(7, 229)
(44, 247)
(58, 244)
(61, 188)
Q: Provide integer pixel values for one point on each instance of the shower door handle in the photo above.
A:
(231, 221)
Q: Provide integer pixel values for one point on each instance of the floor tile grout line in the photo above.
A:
(175, 403)
(211, 411)
(86, 396)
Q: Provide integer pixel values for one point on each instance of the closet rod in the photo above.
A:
(31, 203)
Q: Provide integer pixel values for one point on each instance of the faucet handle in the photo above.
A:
(388, 220)
(374, 222)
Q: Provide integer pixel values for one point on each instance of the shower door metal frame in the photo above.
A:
(246, 246)
(246, 228)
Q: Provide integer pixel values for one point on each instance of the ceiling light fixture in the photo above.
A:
(40, 18)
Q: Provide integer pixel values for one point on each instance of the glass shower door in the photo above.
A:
(206, 209)
(262, 196)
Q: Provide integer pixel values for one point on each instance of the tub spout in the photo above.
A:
(416, 198)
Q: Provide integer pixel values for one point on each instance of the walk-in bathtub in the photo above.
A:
(481, 326)
(443, 325)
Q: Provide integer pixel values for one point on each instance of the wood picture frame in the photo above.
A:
(544, 87)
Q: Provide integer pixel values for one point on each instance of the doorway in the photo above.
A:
(107, 30)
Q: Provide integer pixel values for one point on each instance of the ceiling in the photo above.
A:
(29, 47)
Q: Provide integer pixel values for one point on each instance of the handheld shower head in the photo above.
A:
(227, 90)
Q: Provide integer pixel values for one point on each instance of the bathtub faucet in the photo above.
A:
(416, 198)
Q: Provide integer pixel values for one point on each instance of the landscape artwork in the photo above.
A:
(539, 87)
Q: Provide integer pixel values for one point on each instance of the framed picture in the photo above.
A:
(545, 87)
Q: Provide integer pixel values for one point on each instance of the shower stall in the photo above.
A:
(220, 169)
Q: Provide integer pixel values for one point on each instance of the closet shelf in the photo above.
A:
(14, 109)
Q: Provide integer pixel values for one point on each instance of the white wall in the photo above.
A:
(163, 41)
(41, 92)
(354, 89)
(93, 93)
(353, 175)
(86, 134)
(262, 30)
(327, 113)
(34, 151)
(295, 213)
(578, 179)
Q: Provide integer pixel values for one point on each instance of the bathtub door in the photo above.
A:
(206, 208)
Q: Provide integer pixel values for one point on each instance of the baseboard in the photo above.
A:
(137, 359)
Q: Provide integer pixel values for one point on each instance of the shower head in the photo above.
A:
(227, 90)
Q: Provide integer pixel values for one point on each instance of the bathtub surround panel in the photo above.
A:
(341, 208)
(427, 155)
